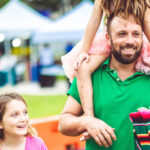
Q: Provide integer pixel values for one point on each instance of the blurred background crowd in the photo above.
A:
(34, 34)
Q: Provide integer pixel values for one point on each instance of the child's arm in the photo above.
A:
(85, 70)
(90, 32)
(147, 23)
(84, 82)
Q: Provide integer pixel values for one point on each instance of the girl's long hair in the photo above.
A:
(6, 98)
(135, 7)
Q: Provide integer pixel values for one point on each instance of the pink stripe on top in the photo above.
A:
(34, 143)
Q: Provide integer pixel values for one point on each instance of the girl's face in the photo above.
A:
(15, 120)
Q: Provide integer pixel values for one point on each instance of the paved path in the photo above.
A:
(60, 87)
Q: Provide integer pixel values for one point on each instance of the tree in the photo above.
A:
(51, 6)
(3, 2)
(39, 5)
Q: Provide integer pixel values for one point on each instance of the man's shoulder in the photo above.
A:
(102, 67)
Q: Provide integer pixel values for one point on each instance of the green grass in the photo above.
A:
(43, 106)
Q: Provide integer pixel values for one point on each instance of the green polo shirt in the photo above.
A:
(114, 99)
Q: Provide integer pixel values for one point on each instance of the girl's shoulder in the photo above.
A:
(33, 142)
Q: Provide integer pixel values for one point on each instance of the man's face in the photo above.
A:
(126, 39)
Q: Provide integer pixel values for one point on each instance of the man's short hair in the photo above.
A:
(121, 15)
(109, 20)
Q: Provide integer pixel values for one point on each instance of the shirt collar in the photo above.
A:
(106, 63)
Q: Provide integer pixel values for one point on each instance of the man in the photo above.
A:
(118, 90)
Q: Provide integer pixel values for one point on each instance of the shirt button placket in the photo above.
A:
(118, 79)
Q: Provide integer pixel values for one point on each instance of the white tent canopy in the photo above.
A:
(71, 26)
(16, 18)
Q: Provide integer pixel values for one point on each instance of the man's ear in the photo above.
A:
(107, 38)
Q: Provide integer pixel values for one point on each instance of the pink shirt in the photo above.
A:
(34, 143)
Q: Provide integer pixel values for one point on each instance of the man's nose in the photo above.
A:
(129, 39)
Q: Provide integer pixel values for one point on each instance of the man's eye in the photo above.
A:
(122, 34)
(137, 34)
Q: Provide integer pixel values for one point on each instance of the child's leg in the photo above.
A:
(84, 81)
(147, 23)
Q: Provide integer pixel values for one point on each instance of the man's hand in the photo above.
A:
(100, 131)
(82, 57)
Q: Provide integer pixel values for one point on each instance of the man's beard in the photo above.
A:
(126, 59)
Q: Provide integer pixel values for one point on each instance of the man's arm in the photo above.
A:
(73, 123)
(70, 122)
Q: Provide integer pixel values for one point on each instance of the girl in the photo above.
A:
(84, 49)
(15, 131)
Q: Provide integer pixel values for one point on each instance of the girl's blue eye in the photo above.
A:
(14, 115)
(26, 112)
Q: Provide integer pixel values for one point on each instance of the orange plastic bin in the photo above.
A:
(47, 129)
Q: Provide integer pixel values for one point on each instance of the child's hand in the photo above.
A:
(85, 136)
(142, 108)
(82, 57)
